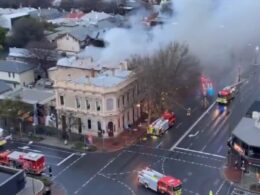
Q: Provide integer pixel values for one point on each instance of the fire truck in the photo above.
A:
(31, 162)
(162, 124)
(159, 182)
(228, 93)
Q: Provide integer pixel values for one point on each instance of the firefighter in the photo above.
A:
(50, 171)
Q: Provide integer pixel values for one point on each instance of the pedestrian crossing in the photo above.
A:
(237, 191)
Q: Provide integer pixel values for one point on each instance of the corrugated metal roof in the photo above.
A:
(13, 66)
(4, 87)
(106, 79)
(247, 132)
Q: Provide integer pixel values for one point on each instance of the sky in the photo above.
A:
(219, 32)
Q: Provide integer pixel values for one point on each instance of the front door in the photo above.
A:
(110, 129)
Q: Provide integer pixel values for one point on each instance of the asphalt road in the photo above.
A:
(194, 155)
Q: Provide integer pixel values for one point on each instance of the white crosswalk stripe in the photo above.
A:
(237, 191)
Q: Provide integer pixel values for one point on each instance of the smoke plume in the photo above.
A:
(218, 32)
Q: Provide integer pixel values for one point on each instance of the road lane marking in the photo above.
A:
(181, 152)
(178, 125)
(194, 124)
(120, 182)
(97, 173)
(194, 135)
(220, 148)
(174, 159)
(66, 168)
(220, 126)
(200, 152)
(220, 187)
(42, 146)
(159, 144)
(61, 162)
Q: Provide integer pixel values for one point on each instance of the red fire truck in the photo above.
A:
(162, 124)
(159, 182)
(31, 162)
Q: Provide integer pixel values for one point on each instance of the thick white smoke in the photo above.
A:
(217, 31)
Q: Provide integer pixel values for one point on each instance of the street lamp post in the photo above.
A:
(256, 54)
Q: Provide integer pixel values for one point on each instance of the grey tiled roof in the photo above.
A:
(4, 87)
(81, 33)
(13, 66)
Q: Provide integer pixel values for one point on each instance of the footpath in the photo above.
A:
(246, 181)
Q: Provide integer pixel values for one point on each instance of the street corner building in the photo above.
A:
(95, 100)
(244, 143)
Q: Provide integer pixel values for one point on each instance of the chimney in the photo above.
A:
(256, 116)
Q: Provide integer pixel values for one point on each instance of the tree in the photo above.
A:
(42, 54)
(2, 37)
(166, 77)
(11, 111)
(26, 30)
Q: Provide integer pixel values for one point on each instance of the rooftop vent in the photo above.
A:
(256, 116)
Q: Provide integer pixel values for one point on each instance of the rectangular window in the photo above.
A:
(13, 74)
(98, 105)
(87, 104)
(118, 121)
(9, 74)
(123, 100)
(89, 124)
(79, 125)
(127, 98)
(118, 103)
(128, 116)
(77, 102)
(61, 100)
(63, 122)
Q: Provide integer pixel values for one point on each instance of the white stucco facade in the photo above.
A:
(68, 43)
(18, 80)
(97, 108)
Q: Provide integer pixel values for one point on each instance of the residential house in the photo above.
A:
(4, 88)
(75, 14)
(9, 16)
(16, 74)
(47, 14)
(104, 104)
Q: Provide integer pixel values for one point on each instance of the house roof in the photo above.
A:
(15, 15)
(81, 32)
(33, 96)
(78, 62)
(19, 52)
(106, 79)
(247, 132)
(75, 14)
(4, 87)
(14, 66)
(94, 17)
(47, 14)
(254, 107)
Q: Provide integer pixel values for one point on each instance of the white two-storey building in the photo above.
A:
(106, 101)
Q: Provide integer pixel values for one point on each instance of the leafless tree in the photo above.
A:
(166, 77)
(42, 53)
